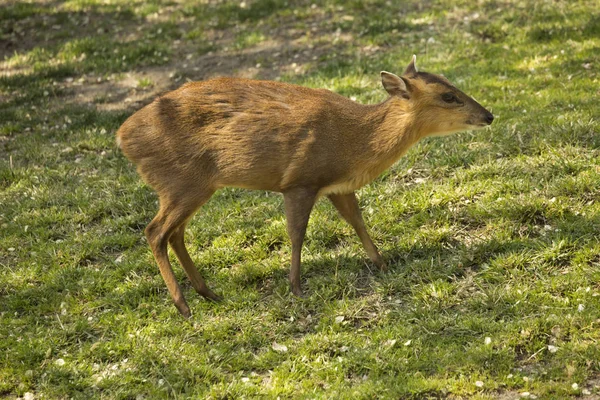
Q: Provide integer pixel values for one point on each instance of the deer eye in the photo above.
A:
(450, 98)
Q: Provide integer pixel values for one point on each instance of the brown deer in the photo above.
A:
(302, 142)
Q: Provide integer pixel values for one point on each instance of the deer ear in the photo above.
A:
(412, 67)
(394, 85)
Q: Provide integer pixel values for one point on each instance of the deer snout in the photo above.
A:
(489, 118)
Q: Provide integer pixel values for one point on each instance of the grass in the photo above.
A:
(491, 236)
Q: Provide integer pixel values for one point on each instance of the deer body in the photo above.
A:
(302, 142)
(265, 135)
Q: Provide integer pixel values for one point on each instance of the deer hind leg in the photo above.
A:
(171, 216)
(177, 243)
(347, 206)
(298, 205)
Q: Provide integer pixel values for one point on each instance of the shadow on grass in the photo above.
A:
(20, 22)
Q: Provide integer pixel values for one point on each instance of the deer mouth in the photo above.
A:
(482, 121)
(477, 125)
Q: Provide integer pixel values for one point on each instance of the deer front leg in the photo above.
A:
(347, 206)
(298, 205)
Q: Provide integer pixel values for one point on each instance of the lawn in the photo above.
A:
(491, 236)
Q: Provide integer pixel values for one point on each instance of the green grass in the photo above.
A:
(489, 234)
(248, 40)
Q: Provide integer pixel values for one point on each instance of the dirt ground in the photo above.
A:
(285, 50)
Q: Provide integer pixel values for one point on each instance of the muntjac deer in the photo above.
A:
(302, 142)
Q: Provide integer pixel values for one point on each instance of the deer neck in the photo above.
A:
(392, 129)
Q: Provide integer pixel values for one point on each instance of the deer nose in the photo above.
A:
(489, 118)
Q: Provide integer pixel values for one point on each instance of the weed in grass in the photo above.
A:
(145, 83)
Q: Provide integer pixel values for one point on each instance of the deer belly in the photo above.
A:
(346, 186)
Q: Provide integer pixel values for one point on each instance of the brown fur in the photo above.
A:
(264, 135)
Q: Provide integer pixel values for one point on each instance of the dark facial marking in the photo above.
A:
(431, 78)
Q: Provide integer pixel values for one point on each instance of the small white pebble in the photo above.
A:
(552, 349)
(575, 386)
(282, 348)
(28, 396)
(60, 362)
(479, 384)
(11, 249)
(525, 394)
(339, 319)
(488, 340)
(245, 379)
(509, 376)
(585, 392)
(580, 308)
(161, 382)
(408, 342)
